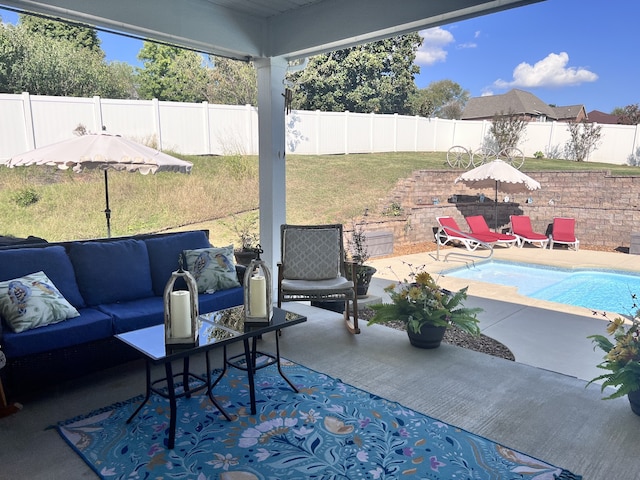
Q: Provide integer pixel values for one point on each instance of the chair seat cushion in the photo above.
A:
(532, 235)
(333, 284)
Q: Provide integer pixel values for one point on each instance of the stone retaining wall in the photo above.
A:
(606, 208)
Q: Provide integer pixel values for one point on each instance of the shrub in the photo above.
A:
(25, 197)
(584, 137)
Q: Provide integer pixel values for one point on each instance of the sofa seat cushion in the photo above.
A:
(53, 261)
(164, 252)
(89, 326)
(146, 312)
(210, 302)
(112, 271)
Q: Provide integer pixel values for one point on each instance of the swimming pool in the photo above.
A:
(599, 290)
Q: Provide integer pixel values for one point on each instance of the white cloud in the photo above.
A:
(551, 71)
(467, 45)
(432, 49)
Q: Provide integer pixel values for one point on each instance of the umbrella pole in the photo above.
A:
(107, 210)
(496, 200)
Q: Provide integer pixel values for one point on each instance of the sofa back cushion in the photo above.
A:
(112, 271)
(164, 252)
(53, 261)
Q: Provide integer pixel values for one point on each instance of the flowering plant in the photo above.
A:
(622, 357)
(420, 301)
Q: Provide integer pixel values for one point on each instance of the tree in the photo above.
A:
(31, 62)
(171, 73)
(443, 99)
(507, 130)
(232, 82)
(629, 115)
(82, 37)
(376, 77)
(584, 137)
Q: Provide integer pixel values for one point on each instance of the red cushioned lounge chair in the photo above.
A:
(478, 226)
(563, 231)
(449, 231)
(521, 228)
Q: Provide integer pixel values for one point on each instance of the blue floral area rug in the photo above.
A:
(330, 430)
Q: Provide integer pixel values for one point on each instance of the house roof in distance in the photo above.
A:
(518, 102)
(596, 116)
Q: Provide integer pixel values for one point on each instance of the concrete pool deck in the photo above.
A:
(540, 333)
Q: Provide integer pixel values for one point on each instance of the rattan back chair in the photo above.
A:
(313, 268)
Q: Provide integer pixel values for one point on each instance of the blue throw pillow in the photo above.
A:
(164, 251)
(110, 272)
(53, 261)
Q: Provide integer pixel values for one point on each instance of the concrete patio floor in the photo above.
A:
(538, 404)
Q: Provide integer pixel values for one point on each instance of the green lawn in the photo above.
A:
(320, 189)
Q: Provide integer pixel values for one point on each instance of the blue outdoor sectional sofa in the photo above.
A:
(116, 285)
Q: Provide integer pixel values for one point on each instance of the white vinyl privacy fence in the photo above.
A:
(31, 121)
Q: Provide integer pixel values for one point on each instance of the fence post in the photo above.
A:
(206, 128)
(98, 121)
(156, 121)
(29, 131)
(346, 132)
(395, 132)
(372, 121)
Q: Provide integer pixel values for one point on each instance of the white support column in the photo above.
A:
(271, 132)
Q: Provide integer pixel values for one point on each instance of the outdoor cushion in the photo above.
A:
(212, 268)
(53, 261)
(33, 301)
(114, 271)
(89, 326)
(147, 312)
(311, 254)
(164, 252)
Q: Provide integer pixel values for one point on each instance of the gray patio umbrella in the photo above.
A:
(501, 176)
(102, 151)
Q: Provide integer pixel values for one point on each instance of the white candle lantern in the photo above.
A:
(181, 310)
(258, 305)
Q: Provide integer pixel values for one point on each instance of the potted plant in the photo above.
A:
(622, 359)
(426, 309)
(358, 253)
(245, 228)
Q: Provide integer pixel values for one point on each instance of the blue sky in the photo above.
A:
(566, 52)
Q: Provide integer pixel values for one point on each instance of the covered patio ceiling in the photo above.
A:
(249, 29)
(272, 34)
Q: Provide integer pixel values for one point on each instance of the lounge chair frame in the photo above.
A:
(449, 232)
(479, 228)
(565, 228)
(524, 232)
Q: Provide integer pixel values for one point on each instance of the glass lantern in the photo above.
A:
(181, 310)
(258, 305)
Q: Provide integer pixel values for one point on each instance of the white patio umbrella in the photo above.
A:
(501, 176)
(101, 151)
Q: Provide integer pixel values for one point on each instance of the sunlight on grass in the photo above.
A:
(320, 189)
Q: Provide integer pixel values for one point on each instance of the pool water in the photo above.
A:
(598, 290)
